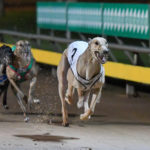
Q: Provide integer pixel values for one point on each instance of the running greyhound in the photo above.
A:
(6, 56)
(81, 67)
(23, 68)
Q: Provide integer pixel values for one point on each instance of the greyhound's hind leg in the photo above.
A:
(5, 98)
(61, 74)
(0, 92)
(64, 109)
(69, 94)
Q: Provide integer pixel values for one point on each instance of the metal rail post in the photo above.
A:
(38, 33)
(130, 89)
(68, 33)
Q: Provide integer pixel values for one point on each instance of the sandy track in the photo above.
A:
(115, 106)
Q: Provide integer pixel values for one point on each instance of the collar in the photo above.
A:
(13, 48)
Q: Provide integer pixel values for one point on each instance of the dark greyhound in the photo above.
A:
(6, 56)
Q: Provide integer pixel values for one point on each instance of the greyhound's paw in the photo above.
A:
(83, 117)
(98, 101)
(68, 100)
(5, 106)
(66, 124)
(26, 119)
(80, 104)
(36, 101)
(86, 115)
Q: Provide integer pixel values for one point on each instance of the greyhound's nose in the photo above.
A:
(105, 52)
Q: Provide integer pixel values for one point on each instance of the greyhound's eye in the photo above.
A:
(96, 43)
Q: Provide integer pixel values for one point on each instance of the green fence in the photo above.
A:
(51, 15)
(124, 20)
(85, 17)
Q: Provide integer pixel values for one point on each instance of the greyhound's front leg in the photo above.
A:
(31, 92)
(86, 106)
(20, 102)
(26, 119)
(80, 97)
(17, 89)
(95, 98)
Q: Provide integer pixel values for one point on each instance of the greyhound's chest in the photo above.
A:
(95, 83)
(75, 50)
(22, 73)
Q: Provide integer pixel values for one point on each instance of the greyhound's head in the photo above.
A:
(23, 49)
(99, 49)
(6, 55)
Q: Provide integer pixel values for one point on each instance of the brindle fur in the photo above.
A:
(6, 56)
(22, 57)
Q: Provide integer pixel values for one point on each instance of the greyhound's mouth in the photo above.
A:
(26, 54)
(101, 57)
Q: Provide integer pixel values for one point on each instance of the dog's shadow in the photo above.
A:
(101, 120)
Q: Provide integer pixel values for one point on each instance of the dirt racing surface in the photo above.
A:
(118, 123)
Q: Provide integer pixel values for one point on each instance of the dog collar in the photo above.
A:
(13, 48)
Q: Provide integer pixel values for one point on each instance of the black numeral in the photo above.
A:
(74, 52)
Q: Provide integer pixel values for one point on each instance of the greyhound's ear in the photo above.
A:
(89, 40)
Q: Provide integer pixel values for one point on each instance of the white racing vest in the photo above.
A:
(76, 49)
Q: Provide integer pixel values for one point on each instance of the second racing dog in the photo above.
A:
(82, 63)
(23, 68)
(6, 56)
